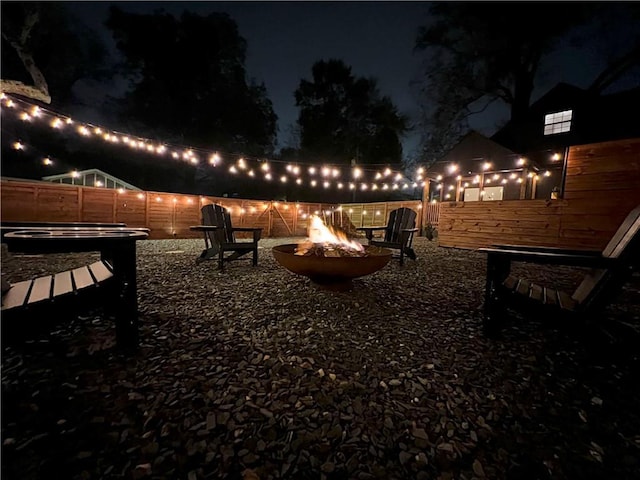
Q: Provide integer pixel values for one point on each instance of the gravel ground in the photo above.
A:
(254, 373)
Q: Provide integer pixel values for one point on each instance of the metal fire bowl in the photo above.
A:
(332, 273)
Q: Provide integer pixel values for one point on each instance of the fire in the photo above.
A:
(328, 239)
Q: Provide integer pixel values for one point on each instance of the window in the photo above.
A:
(492, 193)
(557, 122)
(473, 194)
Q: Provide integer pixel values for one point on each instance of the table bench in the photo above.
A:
(39, 294)
(6, 227)
(34, 298)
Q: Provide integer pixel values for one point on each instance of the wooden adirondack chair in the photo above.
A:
(608, 271)
(398, 234)
(219, 236)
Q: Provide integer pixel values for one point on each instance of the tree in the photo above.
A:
(45, 51)
(188, 81)
(343, 117)
(480, 53)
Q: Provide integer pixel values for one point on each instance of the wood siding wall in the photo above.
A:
(170, 215)
(602, 186)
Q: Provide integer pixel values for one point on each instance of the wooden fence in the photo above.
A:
(602, 185)
(170, 215)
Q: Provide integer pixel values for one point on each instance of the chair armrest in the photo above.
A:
(368, 231)
(204, 228)
(410, 230)
(257, 231)
(532, 256)
(537, 248)
(371, 228)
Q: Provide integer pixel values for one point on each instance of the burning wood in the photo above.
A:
(309, 249)
(326, 241)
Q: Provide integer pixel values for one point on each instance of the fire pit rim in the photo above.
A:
(326, 271)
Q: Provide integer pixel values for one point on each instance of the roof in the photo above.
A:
(474, 148)
(109, 181)
(596, 118)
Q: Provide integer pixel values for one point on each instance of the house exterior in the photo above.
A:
(528, 158)
(568, 115)
(479, 168)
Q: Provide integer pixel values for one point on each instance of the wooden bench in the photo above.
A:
(68, 290)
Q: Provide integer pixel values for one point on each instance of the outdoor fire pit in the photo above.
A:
(329, 259)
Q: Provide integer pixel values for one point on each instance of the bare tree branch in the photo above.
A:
(40, 89)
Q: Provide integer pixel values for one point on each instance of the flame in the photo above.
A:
(319, 233)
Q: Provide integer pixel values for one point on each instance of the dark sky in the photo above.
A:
(375, 38)
(285, 39)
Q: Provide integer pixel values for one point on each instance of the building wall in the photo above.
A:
(602, 185)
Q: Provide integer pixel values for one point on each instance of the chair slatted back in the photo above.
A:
(216, 215)
(399, 219)
(624, 245)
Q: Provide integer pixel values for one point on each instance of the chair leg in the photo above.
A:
(221, 259)
(498, 269)
(255, 256)
(401, 256)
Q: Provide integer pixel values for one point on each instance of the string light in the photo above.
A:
(29, 113)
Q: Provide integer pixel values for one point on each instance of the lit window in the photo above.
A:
(557, 122)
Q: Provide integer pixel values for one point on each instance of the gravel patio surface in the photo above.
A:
(254, 373)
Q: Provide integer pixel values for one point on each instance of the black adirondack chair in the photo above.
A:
(220, 236)
(607, 273)
(398, 234)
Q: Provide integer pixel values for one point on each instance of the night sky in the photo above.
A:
(376, 38)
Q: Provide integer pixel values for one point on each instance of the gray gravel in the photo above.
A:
(255, 373)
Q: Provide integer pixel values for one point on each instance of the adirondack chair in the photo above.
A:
(219, 236)
(398, 233)
(607, 272)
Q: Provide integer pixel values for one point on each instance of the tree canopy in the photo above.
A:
(480, 53)
(189, 81)
(44, 47)
(343, 117)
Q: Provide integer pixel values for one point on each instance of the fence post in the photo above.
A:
(425, 205)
